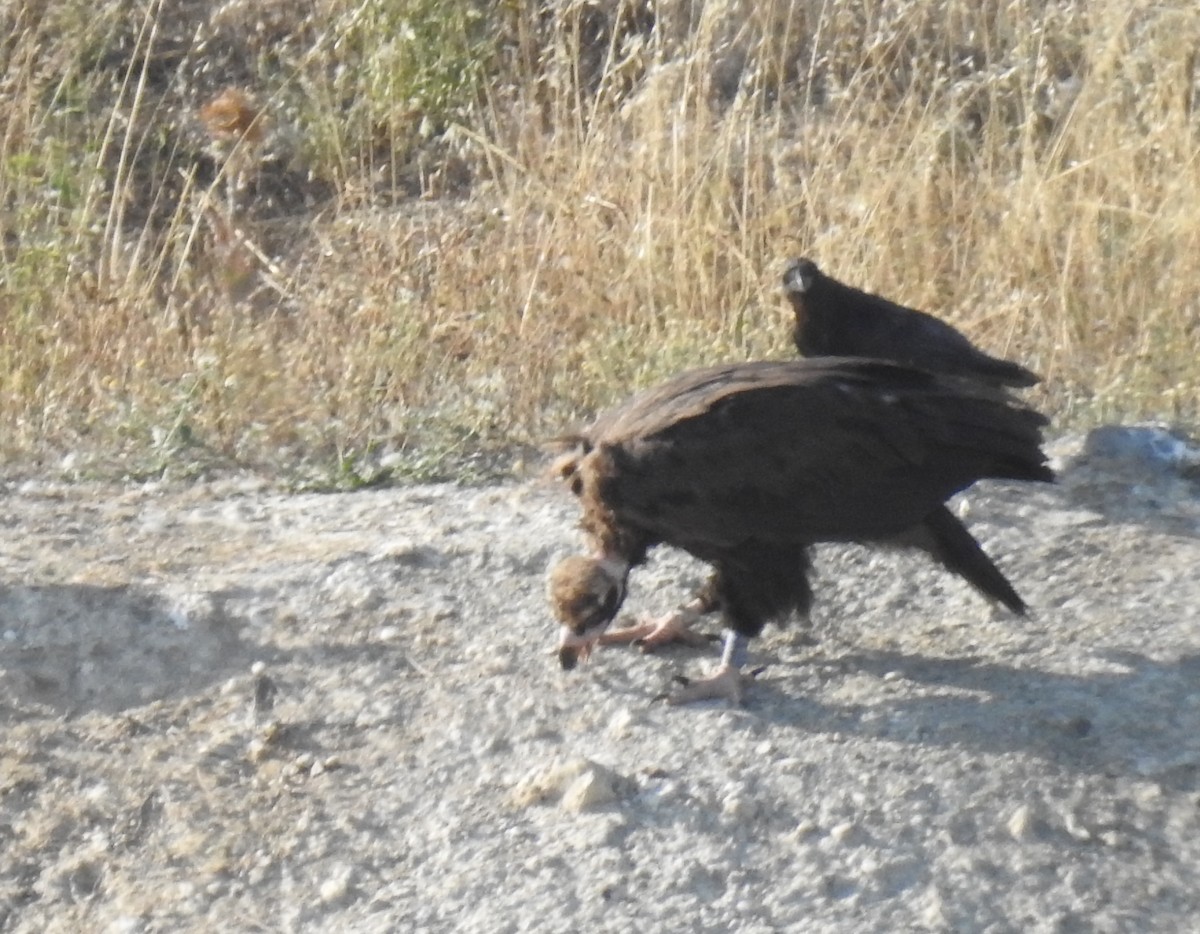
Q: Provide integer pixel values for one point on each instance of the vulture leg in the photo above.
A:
(756, 584)
(726, 682)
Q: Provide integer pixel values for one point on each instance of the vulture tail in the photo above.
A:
(955, 547)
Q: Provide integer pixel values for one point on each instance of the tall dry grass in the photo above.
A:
(427, 230)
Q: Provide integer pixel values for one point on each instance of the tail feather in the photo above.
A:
(950, 542)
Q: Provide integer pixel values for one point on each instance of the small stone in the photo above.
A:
(578, 784)
(596, 787)
(665, 793)
(621, 723)
(264, 695)
(335, 888)
(1076, 829)
(934, 913)
(1025, 824)
(737, 807)
(304, 762)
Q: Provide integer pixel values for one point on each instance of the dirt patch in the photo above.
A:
(230, 708)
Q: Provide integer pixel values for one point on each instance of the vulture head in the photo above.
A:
(585, 594)
(800, 275)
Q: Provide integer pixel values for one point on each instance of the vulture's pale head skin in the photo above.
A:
(800, 275)
(585, 594)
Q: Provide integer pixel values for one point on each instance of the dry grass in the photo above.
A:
(418, 230)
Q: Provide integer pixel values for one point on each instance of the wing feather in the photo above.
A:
(800, 451)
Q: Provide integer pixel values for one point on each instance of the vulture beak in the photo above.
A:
(574, 648)
(799, 276)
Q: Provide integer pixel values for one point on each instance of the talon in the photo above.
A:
(726, 683)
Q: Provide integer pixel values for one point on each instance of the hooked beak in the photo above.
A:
(574, 648)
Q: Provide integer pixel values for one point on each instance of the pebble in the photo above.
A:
(336, 887)
(1025, 824)
(737, 806)
(596, 787)
(620, 726)
(1076, 829)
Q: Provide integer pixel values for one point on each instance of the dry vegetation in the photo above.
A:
(348, 233)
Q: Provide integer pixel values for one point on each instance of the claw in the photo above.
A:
(725, 683)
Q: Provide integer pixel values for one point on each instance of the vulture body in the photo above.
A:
(747, 465)
(836, 320)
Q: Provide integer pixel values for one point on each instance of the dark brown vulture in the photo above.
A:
(746, 465)
(837, 320)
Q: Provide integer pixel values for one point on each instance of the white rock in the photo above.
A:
(578, 784)
(1025, 824)
(621, 723)
(335, 888)
(594, 788)
(736, 806)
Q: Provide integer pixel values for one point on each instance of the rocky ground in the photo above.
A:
(228, 708)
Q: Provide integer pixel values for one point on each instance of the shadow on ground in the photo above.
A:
(75, 648)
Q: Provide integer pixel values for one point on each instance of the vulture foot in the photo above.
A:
(651, 634)
(726, 683)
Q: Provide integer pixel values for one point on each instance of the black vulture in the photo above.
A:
(837, 320)
(747, 465)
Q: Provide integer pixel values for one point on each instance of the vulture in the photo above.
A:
(838, 320)
(747, 465)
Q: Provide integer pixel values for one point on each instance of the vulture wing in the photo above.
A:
(802, 451)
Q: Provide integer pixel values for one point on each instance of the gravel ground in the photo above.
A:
(227, 708)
